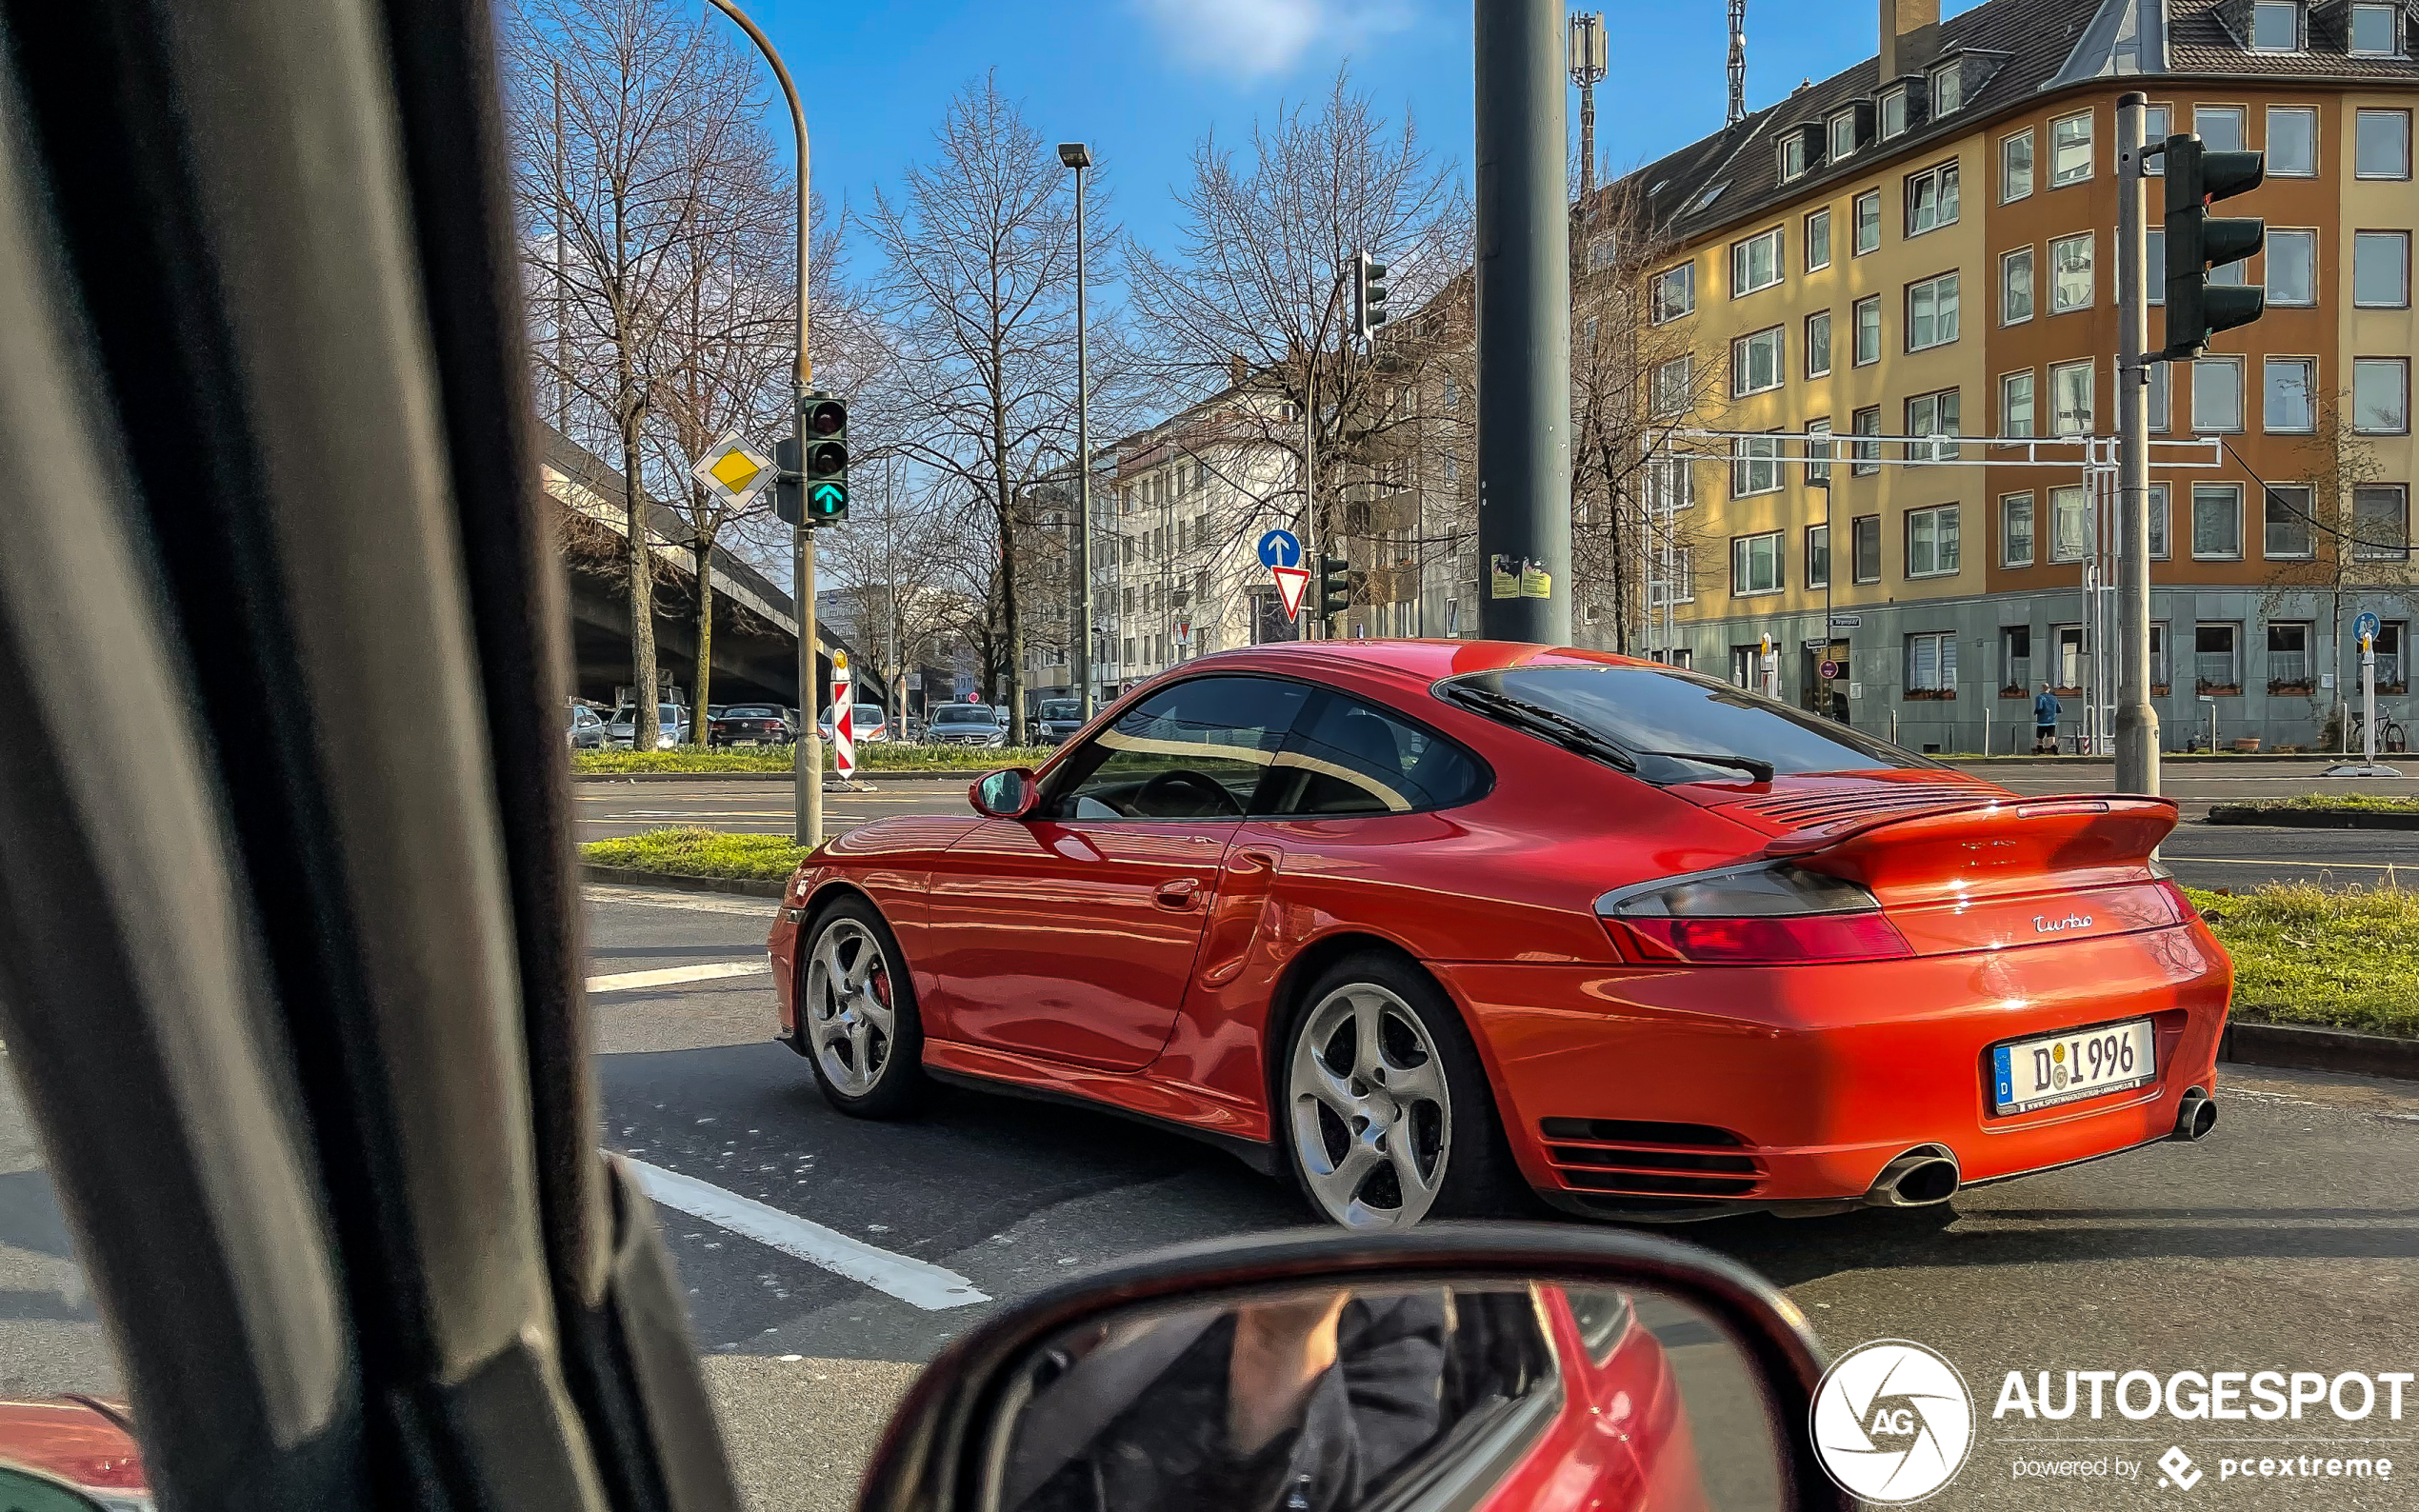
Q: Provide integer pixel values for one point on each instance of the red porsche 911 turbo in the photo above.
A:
(1419, 923)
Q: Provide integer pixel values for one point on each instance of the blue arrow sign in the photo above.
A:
(2363, 628)
(1279, 548)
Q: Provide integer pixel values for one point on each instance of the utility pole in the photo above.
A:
(1078, 157)
(1588, 60)
(2137, 720)
(806, 761)
(1524, 325)
(1738, 61)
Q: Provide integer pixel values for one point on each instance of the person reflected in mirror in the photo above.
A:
(1302, 1404)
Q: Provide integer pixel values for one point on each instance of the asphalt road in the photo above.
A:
(2289, 1240)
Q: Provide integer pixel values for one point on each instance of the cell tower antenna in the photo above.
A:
(1738, 61)
(1587, 70)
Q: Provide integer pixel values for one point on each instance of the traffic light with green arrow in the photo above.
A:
(1335, 586)
(825, 423)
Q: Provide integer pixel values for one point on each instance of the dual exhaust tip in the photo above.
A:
(1928, 1174)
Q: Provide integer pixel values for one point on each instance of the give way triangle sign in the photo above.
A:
(1291, 582)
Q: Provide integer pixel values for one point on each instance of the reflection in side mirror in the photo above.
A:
(1009, 793)
(1436, 1368)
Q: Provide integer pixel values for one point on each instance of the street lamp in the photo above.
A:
(1078, 157)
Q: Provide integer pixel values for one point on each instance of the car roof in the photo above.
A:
(1408, 665)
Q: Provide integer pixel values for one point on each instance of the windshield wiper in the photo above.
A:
(1760, 770)
(1544, 724)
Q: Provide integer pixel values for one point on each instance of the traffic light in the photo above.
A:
(825, 423)
(1335, 586)
(2196, 241)
(1368, 295)
(790, 481)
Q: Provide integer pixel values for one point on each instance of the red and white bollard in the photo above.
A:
(843, 728)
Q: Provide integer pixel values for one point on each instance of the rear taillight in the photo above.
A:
(1761, 915)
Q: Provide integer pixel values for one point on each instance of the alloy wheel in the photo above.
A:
(1372, 1116)
(850, 1021)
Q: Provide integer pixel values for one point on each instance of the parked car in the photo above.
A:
(968, 724)
(588, 731)
(76, 1452)
(1463, 841)
(749, 724)
(1061, 717)
(866, 726)
(671, 723)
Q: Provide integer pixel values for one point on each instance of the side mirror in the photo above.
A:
(1499, 1366)
(1009, 793)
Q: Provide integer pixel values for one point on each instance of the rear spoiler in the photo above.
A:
(1975, 844)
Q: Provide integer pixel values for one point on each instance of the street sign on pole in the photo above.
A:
(1280, 548)
(1847, 622)
(1292, 581)
(1184, 632)
(733, 472)
(2366, 627)
(1830, 671)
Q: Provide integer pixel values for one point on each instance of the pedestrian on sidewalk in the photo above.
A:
(2045, 722)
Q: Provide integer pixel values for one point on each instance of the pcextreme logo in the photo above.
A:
(1892, 1421)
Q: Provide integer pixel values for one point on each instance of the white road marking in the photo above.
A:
(632, 980)
(912, 1281)
(693, 902)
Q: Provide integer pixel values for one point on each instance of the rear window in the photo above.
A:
(1059, 709)
(1655, 713)
(749, 711)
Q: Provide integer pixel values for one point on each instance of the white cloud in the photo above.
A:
(1249, 39)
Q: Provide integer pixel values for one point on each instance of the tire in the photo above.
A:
(1382, 1109)
(865, 1043)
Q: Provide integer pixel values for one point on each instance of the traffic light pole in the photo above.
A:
(2137, 720)
(806, 759)
(1524, 322)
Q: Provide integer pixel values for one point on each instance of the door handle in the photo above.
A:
(1178, 894)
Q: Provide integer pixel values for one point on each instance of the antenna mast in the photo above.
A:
(1588, 60)
(1738, 61)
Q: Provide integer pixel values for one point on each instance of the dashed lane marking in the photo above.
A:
(669, 976)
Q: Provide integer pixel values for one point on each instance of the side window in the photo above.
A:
(1196, 751)
(1353, 759)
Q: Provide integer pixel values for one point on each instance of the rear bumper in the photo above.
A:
(1628, 1089)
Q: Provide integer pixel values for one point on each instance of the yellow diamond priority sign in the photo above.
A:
(733, 472)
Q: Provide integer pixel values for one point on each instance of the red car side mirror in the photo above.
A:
(1009, 793)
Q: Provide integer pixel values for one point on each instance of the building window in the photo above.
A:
(1674, 292)
(1670, 482)
(2154, 132)
(2071, 151)
(1755, 363)
(2071, 393)
(1818, 343)
(2015, 287)
(2276, 26)
(2217, 394)
(1930, 415)
(1894, 113)
(2381, 144)
(2220, 126)
(2289, 667)
(1931, 312)
(2071, 273)
(2381, 396)
(2015, 404)
(1868, 221)
(1794, 162)
(1868, 330)
(1865, 539)
(1843, 135)
(1755, 564)
(1755, 263)
(2381, 522)
(2070, 524)
(1948, 89)
(2376, 31)
(1865, 457)
(2015, 531)
(2292, 268)
(2154, 267)
(2292, 141)
(2381, 269)
(1818, 452)
(2289, 388)
(1818, 241)
(1671, 386)
(1754, 465)
(2154, 396)
(1818, 556)
(2217, 665)
(2015, 659)
(2217, 522)
(1931, 199)
(2286, 535)
(2157, 512)
(1931, 542)
(2015, 165)
(1931, 663)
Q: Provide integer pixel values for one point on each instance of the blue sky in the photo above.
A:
(1142, 80)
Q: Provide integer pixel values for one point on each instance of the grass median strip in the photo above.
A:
(699, 854)
(2345, 959)
(697, 761)
(2353, 809)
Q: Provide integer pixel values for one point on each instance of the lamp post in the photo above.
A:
(1078, 157)
(806, 762)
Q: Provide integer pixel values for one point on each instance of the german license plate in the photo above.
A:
(2029, 1074)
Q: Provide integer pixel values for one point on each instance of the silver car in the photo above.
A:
(965, 725)
(671, 720)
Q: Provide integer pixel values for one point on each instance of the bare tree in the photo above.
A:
(632, 123)
(979, 255)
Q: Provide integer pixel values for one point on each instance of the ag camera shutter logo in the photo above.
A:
(1892, 1421)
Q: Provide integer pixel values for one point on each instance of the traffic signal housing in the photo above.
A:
(790, 481)
(825, 423)
(1368, 295)
(1335, 586)
(2197, 240)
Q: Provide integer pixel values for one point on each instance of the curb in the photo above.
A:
(2309, 818)
(2296, 1048)
(630, 876)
